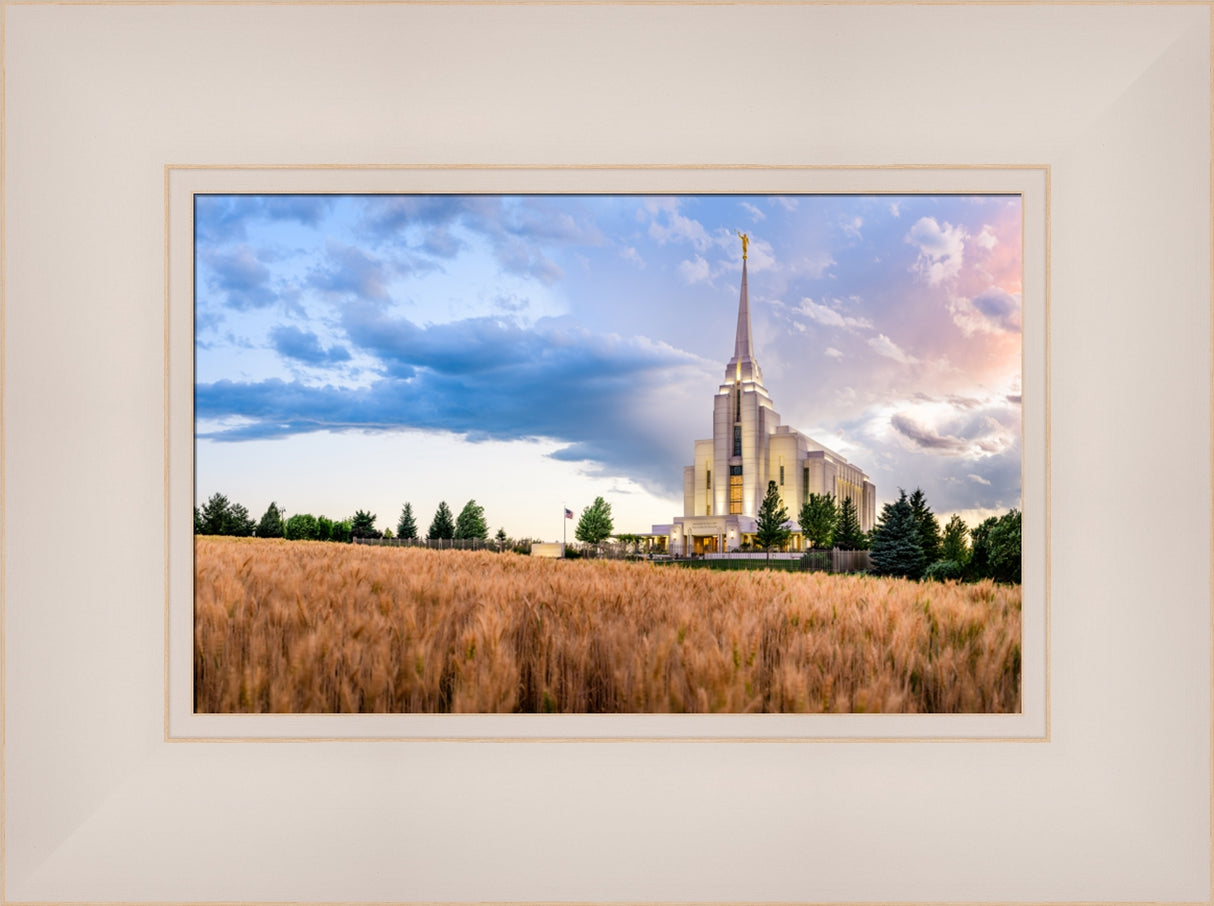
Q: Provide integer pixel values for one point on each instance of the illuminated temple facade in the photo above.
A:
(724, 486)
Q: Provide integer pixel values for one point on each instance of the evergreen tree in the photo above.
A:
(929, 527)
(848, 534)
(239, 522)
(362, 525)
(470, 524)
(954, 545)
(406, 526)
(443, 525)
(271, 525)
(213, 516)
(595, 525)
(771, 527)
(819, 518)
(501, 539)
(896, 549)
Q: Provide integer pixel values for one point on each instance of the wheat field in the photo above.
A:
(304, 626)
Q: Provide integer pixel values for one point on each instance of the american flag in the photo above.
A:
(568, 513)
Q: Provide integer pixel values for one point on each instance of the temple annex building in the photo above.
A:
(724, 486)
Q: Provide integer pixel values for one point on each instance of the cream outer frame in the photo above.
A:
(98, 806)
(1030, 183)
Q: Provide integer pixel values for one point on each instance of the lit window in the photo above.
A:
(735, 490)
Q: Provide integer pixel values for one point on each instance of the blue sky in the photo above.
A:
(532, 352)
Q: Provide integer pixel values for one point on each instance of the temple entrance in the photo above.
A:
(705, 544)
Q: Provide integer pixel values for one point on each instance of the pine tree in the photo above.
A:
(819, 518)
(271, 525)
(470, 524)
(771, 527)
(595, 525)
(954, 546)
(362, 525)
(443, 525)
(848, 534)
(929, 527)
(213, 518)
(239, 522)
(406, 526)
(896, 549)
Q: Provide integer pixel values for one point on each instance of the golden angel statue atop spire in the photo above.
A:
(745, 241)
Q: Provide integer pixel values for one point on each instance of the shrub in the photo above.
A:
(942, 570)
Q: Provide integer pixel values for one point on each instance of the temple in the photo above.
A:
(724, 486)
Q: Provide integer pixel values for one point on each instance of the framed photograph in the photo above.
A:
(511, 359)
(320, 257)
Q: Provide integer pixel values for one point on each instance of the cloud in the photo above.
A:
(828, 317)
(514, 227)
(852, 227)
(695, 271)
(831, 353)
(487, 378)
(993, 311)
(957, 427)
(224, 218)
(303, 346)
(986, 239)
(630, 254)
(941, 249)
(979, 479)
(241, 276)
(815, 264)
(883, 345)
(894, 208)
(788, 203)
(925, 437)
(678, 228)
(755, 214)
(348, 269)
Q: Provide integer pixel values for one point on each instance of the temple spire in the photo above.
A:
(743, 367)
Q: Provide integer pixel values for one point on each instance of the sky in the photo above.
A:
(533, 352)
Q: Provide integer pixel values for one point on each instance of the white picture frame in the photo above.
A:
(104, 801)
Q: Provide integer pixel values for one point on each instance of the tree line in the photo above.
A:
(907, 540)
(221, 516)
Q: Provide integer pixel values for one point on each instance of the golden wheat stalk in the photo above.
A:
(301, 626)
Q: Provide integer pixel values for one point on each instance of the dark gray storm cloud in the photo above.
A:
(483, 378)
